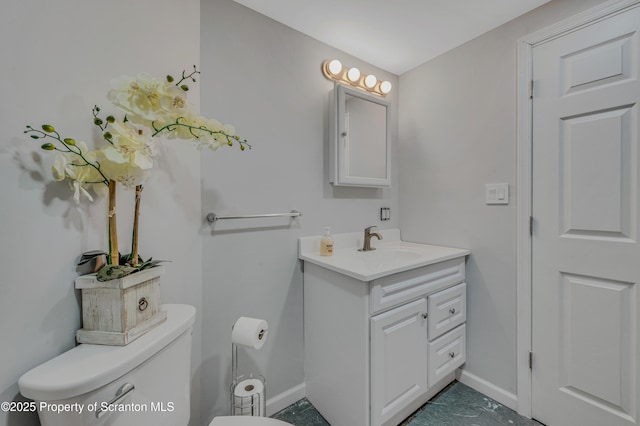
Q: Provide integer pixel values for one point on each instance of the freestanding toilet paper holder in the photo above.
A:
(247, 399)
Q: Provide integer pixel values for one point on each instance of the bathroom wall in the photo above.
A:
(457, 133)
(265, 78)
(58, 58)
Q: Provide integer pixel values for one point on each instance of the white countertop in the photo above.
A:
(392, 255)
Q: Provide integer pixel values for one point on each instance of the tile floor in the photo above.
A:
(457, 405)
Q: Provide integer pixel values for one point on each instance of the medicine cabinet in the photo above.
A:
(360, 144)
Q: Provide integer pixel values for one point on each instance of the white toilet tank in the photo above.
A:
(86, 386)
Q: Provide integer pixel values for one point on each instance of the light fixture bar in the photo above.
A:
(335, 71)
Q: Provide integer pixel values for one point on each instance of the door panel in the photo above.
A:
(585, 253)
(599, 140)
(599, 64)
(597, 368)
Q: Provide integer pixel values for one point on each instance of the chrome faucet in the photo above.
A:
(367, 239)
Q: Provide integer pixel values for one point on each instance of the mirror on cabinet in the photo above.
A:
(360, 139)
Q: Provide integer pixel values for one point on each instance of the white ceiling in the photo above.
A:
(395, 35)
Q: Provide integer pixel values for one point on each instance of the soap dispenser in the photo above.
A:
(326, 243)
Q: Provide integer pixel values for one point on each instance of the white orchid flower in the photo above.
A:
(129, 157)
(147, 99)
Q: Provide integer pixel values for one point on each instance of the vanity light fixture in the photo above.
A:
(334, 70)
(334, 67)
(370, 81)
(353, 75)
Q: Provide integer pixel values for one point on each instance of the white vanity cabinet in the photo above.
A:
(377, 350)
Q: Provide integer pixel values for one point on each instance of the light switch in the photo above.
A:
(497, 193)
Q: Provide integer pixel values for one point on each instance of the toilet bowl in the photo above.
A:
(246, 421)
(146, 382)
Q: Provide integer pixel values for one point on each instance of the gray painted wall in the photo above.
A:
(458, 132)
(58, 59)
(266, 79)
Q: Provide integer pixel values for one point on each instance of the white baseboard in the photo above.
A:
(483, 386)
(285, 399)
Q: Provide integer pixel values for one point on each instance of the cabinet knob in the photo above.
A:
(452, 311)
(425, 315)
(452, 354)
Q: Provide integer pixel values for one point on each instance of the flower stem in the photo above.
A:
(170, 127)
(114, 256)
(134, 238)
(190, 76)
(69, 148)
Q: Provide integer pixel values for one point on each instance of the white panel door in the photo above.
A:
(585, 253)
(398, 359)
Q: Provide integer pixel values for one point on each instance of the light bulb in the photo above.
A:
(385, 87)
(353, 74)
(335, 67)
(370, 81)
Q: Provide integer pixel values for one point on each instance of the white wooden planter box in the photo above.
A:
(117, 312)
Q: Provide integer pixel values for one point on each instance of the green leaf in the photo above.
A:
(48, 146)
(48, 128)
(112, 272)
(150, 264)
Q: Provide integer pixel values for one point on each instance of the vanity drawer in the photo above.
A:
(447, 310)
(446, 354)
(402, 287)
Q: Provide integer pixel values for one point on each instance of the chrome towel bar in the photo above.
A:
(212, 217)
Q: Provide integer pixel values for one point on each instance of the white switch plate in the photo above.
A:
(497, 193)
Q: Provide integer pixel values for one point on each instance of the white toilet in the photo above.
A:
(146, 382)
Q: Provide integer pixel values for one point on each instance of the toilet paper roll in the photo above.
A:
(249, 398)
(250, 332)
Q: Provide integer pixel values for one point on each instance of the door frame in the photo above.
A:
(524, 185)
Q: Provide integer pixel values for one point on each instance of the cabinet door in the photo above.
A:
(398, 359)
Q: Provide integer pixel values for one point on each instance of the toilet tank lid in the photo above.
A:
(88, 367)
(246, 421)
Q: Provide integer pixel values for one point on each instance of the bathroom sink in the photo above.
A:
(387, 257)
(391, 255)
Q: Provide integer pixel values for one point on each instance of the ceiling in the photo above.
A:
(395, 35)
